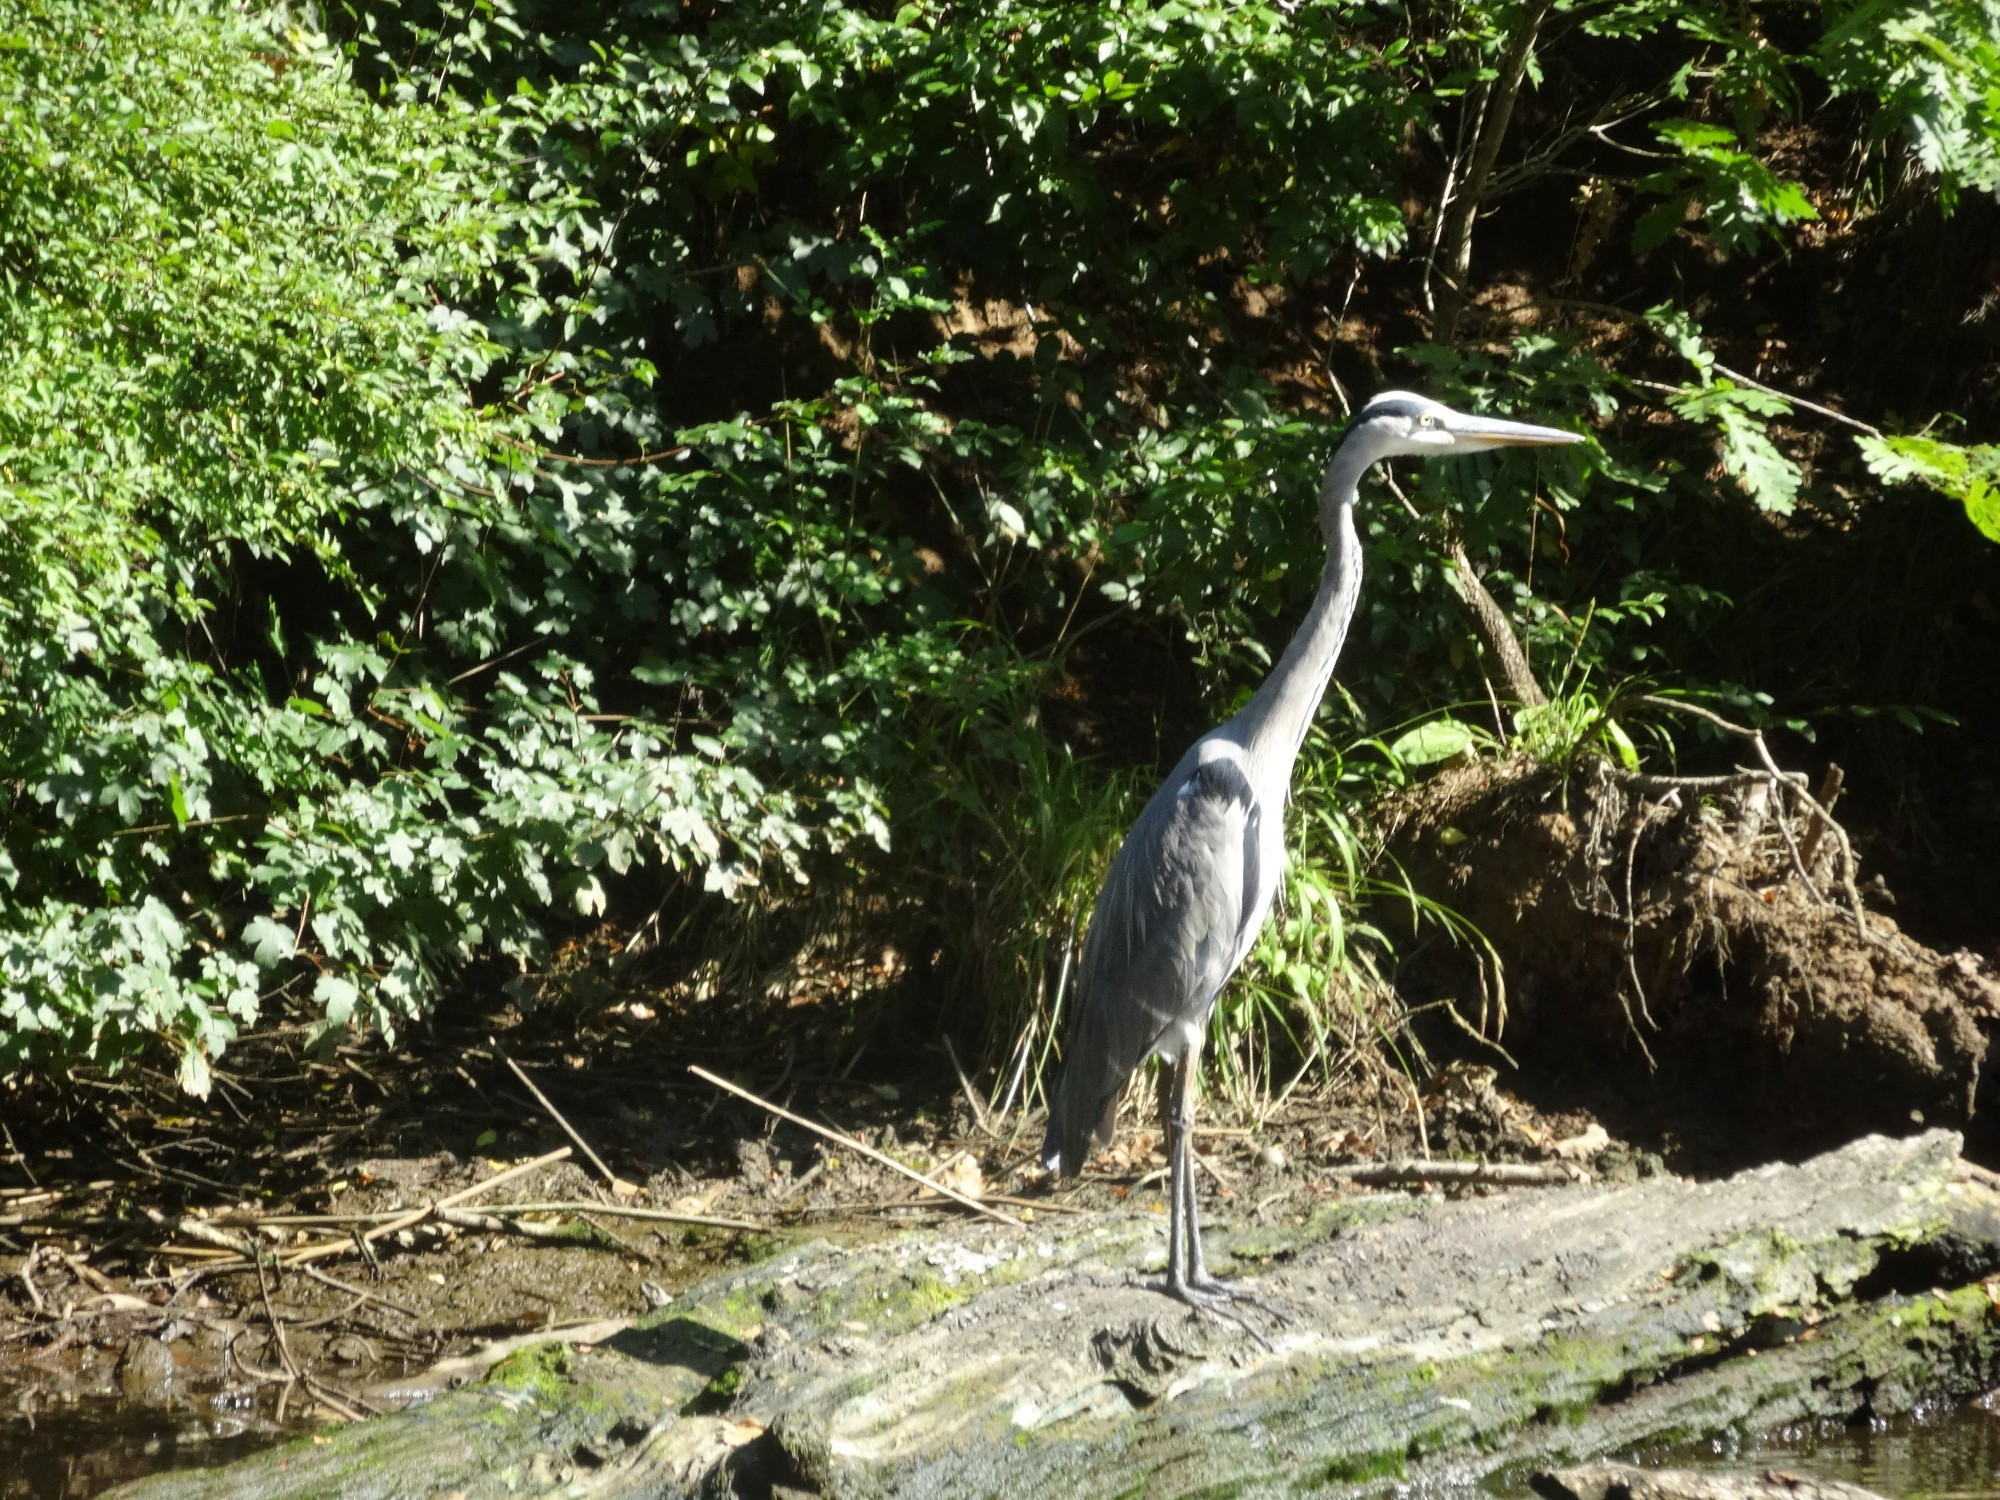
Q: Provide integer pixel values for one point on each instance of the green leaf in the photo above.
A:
(1437, 740)
(270, 942)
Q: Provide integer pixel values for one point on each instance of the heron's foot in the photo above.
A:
(1212, 1286)
(1220, 1301)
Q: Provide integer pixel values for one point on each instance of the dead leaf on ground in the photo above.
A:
(1581, 1147)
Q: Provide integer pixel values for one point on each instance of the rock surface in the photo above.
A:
(1429, 1339)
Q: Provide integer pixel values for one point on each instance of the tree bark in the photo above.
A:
(1462, 213)
(1489, 622)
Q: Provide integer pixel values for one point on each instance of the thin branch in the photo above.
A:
(828, 1133)
(611, 1178)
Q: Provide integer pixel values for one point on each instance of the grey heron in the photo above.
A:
(1193, 881)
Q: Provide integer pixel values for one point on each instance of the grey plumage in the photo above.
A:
(1193, 881)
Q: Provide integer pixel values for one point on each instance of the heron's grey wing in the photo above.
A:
(1164, 935)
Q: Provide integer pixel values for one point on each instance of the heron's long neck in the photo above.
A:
(1275, 720)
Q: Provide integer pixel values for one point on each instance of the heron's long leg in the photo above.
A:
(1180, 1070)
(1206, 1291)
(1187, 1274)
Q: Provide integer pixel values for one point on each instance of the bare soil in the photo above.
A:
(1661, 945)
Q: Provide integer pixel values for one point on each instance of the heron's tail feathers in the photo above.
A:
(1074, 1130)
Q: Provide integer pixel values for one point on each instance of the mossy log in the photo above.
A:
(1429, 1339)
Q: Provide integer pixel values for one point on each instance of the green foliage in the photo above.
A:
(298, 686)
(1743, 201)
(1935, 69)
(1970, 475)
(448, 470)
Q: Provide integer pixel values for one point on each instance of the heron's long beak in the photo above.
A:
(1492, 432)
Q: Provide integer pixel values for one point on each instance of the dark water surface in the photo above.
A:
(1952, 1454)
(80, 1445)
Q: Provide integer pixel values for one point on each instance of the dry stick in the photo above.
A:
(417, 1215)
(610, 1210)
(616, 1211)
(610, 1177)
(341, 1286)
(1829, 790)
(1488, 620)
(1495, 1174)
(26, 1273)
(826, 1132)
(971, 1094)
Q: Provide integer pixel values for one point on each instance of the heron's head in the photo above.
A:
(1398, 423)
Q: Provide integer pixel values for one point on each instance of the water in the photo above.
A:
(1948, 1454)
(80, 1445)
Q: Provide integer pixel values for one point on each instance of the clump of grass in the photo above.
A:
(1017, 832)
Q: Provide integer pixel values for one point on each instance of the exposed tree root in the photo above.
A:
(1690, 923)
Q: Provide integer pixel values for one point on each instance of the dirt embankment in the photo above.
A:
(1676, 939)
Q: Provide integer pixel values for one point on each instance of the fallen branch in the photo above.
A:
(610, 1211)
(566, 1206)
(564, 1233)
(1481, 1173)
(449, 1373)
(417, 1215)
(828, 1133)
(248, 1254)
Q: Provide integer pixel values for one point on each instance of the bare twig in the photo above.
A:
(354, 1291)
(417, 1215)
(26, 1273)
(1829, 790)
(446, 1373)
(611, 1210)
(1483, 613)
(611, 1178)
(619, 1211)
(971, 1094)
(853, 1145)
(1796, 783)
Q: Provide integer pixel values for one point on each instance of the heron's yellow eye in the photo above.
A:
(1427, 420)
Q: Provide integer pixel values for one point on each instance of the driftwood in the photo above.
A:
(1427, 1339)
(1623, 1482)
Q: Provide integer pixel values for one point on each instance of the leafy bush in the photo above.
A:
(448, 469)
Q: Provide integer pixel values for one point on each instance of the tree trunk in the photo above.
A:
(1496, 112)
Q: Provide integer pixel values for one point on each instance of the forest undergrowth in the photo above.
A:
(758, 494)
